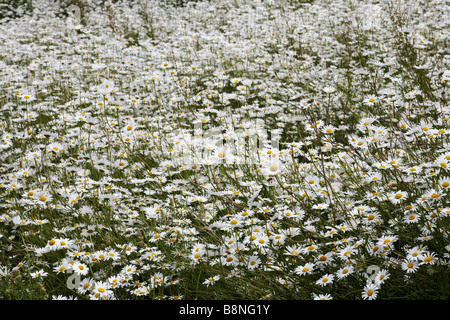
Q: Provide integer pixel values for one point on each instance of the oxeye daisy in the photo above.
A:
(42, 197)
(415, 253)
(444, 183)
(27, 97)
(325, 280)
(387, 240)
(230, 260)
(397, 197)
(222, 154)
(61, 297)
(101, 290)
(253, 262)
(293, 250)
(39, 274)
(410, 266)
(113, 254)
(261, 240)
(324, 259)
(428, 258)
(272, 168)
(432, 195)
(346, 252)
(5, 143)
(372, 218)
(80, 268)
(322, 296)
(329, 89)
(365, 123)
(413, 170)
(443, 162)
(310, 248)
(236, 222)
(101, 255)
(60, 269)
(411, 217)
(320, 206)
(65, 243)
(329, 129)
(120, 163)
(211, 281)
(381, 276)
(371, 100)
(360, 143)
(307, 268)
(370, 291)
(278, 239)
(344, 272)
(85, 285)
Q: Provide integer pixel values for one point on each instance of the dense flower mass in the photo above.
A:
(225, 150)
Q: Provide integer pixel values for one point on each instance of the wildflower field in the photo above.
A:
(238, 150)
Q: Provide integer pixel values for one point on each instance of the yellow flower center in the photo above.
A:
(221, 155)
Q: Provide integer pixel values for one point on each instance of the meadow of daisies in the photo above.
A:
(225, 150)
